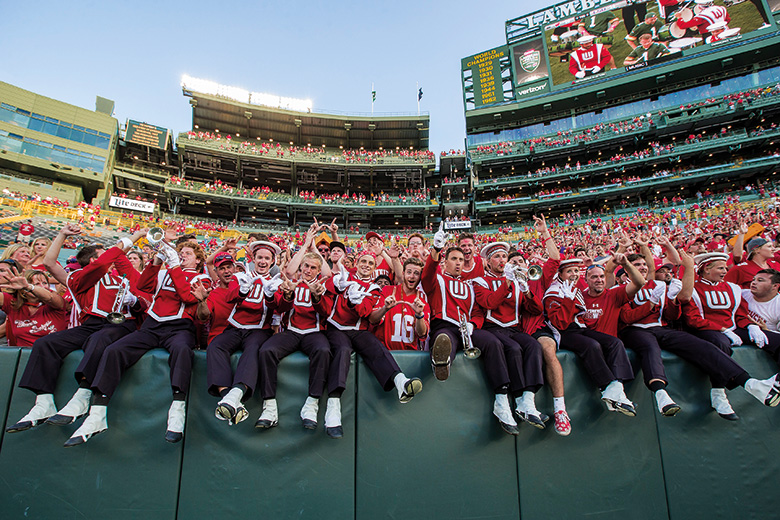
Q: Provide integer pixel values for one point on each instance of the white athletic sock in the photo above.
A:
(558, 404)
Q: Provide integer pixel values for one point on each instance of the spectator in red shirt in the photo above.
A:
(33, 310)
(25, 232)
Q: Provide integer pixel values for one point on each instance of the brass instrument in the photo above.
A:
(116, 316)
(533, 272)
(469, 350)
(156, 238)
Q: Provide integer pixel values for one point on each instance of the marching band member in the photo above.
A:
(453, 308)
(255, 299)
(95, 294)
(589, 58)
(169, 325)
(301, 308)
(603, 356)
(503, 294)
(351, 298)
(718, 314)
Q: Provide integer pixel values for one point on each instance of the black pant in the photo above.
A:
(491, 347)
(376, 356)
(604, 356)
(219, 373)
(175, 336)
(523, 359)
(43, 368)
(314, 344)
(713, 360)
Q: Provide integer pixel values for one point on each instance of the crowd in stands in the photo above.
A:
(411, 196)
(277, 149)
(452, 152)
(35, 197)
(630, 125)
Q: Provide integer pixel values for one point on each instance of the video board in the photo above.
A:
(147, 135)
(584, 41)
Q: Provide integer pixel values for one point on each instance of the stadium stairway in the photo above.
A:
(440, 456)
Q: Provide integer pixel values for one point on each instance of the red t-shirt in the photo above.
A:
(602, 312)
(22, 329)
(26, 229)
(396, 330)
(742, 274)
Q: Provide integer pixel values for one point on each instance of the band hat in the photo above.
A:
(493, 248)
(568, 262)
(374, 234)
(706, 258)
(586, 38)
(755, 243)
(223, 258)
(276, 250)
(717, 26)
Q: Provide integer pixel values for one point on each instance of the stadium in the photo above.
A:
(569, 119)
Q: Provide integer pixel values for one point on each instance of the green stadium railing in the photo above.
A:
(735, 168)
(672, 116)
(440, 456)
(329, 157)
(679, 151)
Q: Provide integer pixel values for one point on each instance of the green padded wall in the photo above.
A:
(9, 357)
(284, 472)
(608, 467)
(442, 455)
(715, 468)
(128, 471)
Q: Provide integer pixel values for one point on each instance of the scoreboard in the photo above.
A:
(147, 135)
(581, 43)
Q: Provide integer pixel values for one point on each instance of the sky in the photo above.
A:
(135, 53)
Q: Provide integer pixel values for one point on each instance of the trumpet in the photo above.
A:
(156, 238)
(469, 350)
(116, 316)
(533, 272)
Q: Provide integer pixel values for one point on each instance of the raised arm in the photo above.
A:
(50, 258)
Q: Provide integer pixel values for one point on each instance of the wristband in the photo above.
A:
(548, 238)
(126, 243)
(419, 317)
(30, 288)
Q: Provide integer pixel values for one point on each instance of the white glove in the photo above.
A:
(440, 237)
(579, 74)
(733, 338)
(355, 293)
(757, 336)
(130, 300)
(675, 286)
(470, 328)
(271, 286)
(522, 284)
(161, 256)
(341, 280)
(569, 289)
(509, 272)
(595, 69)
(171, 257)
(657, 293)
(244, 283)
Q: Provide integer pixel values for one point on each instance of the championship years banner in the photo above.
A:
(131, 204)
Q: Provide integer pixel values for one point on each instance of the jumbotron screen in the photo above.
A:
(585, 41)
